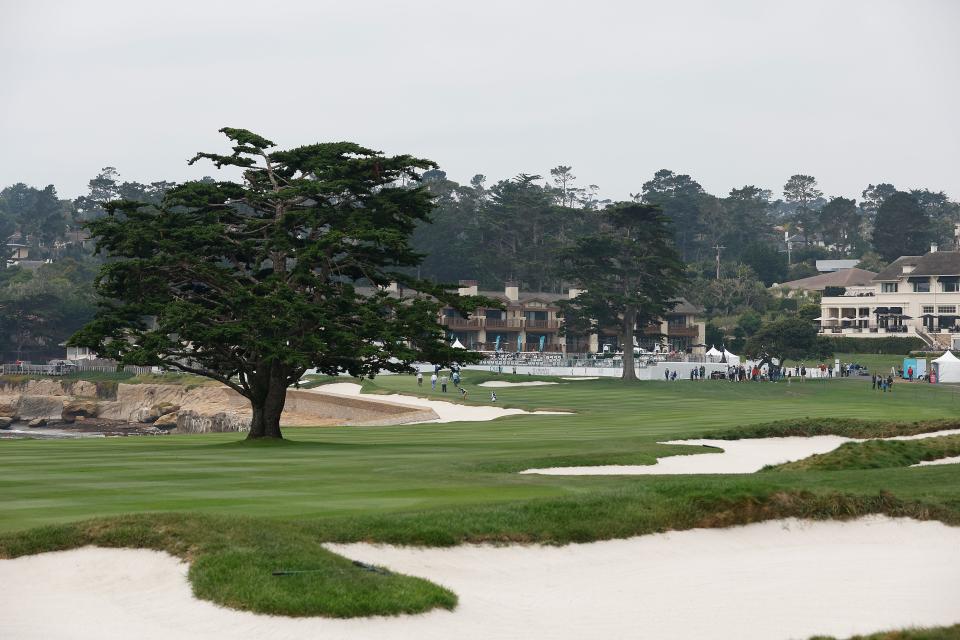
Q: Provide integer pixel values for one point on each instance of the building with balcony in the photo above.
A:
(914, 296)
(532, 322)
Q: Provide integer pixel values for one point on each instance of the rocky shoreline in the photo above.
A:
(64, 408)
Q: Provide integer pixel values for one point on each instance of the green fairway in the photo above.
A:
(447, 483)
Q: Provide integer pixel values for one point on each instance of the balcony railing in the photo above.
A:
(503, 323)
(542, 324)
(456, 322)
(682, 332)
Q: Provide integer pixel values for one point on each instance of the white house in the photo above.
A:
(913, 296)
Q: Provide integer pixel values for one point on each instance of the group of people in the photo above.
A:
(882, 384)
(438, 377)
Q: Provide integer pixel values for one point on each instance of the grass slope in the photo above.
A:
(442, 484)
(876, 454)
(847, 427)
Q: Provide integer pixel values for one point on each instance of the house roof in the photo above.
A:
(938, 263)
(894, 270)
(840, 278)
(684, 306)
(524, 297)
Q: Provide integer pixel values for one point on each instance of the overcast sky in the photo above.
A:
(733, 93)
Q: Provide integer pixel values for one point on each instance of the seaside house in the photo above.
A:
(914, 296)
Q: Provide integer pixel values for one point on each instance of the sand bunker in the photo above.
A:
(739, 456)
(582, 378)
(448, 411)
(504, 383)
(931, 463)
(782, 579)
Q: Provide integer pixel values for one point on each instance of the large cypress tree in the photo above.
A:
(630, 274)
(902, 227)
(254, 282)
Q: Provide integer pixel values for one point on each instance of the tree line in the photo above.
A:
(515, 229)
(49, 294)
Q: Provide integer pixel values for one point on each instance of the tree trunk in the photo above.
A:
(267, 403)
(626, 340)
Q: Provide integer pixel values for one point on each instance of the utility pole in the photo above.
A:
(719, 248)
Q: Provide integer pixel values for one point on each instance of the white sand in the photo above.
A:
(448, 411)
(939, 461)
(504, 383)
(782, 579)
(739, 456)
(583, 378)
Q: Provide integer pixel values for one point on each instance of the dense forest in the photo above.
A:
(512, 229)
(46, 287)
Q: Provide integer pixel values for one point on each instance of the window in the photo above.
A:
(949, 284)
(921, 286)
(952, 309)
(928, 309)
(888, 287)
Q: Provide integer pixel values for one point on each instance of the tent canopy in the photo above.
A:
(714, 352)
(457, 344)
(947, 368)
(948, 357)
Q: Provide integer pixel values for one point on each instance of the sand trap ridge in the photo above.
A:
(939, 461)
(448, 411)
(739, 456)
(782, 579)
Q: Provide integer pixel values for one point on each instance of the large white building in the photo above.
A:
(914, 296)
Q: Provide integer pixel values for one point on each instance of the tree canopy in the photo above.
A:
(902, 227)
(253, 283)
(792, 337)
(628, 272)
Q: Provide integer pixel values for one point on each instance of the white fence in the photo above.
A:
(69, 367)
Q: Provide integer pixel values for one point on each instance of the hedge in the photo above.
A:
(902, 346)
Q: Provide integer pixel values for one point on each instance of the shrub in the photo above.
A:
(901, 346)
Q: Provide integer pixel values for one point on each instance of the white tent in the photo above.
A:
(714, 352)
(947, 368)
(457, 344)
(731, 358)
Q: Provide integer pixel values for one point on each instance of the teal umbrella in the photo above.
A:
(542, 340)
(519, 343)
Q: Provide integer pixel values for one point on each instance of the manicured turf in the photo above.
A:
(447, 483)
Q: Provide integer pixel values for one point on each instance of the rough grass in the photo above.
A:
(847, 427)
(876, 454)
